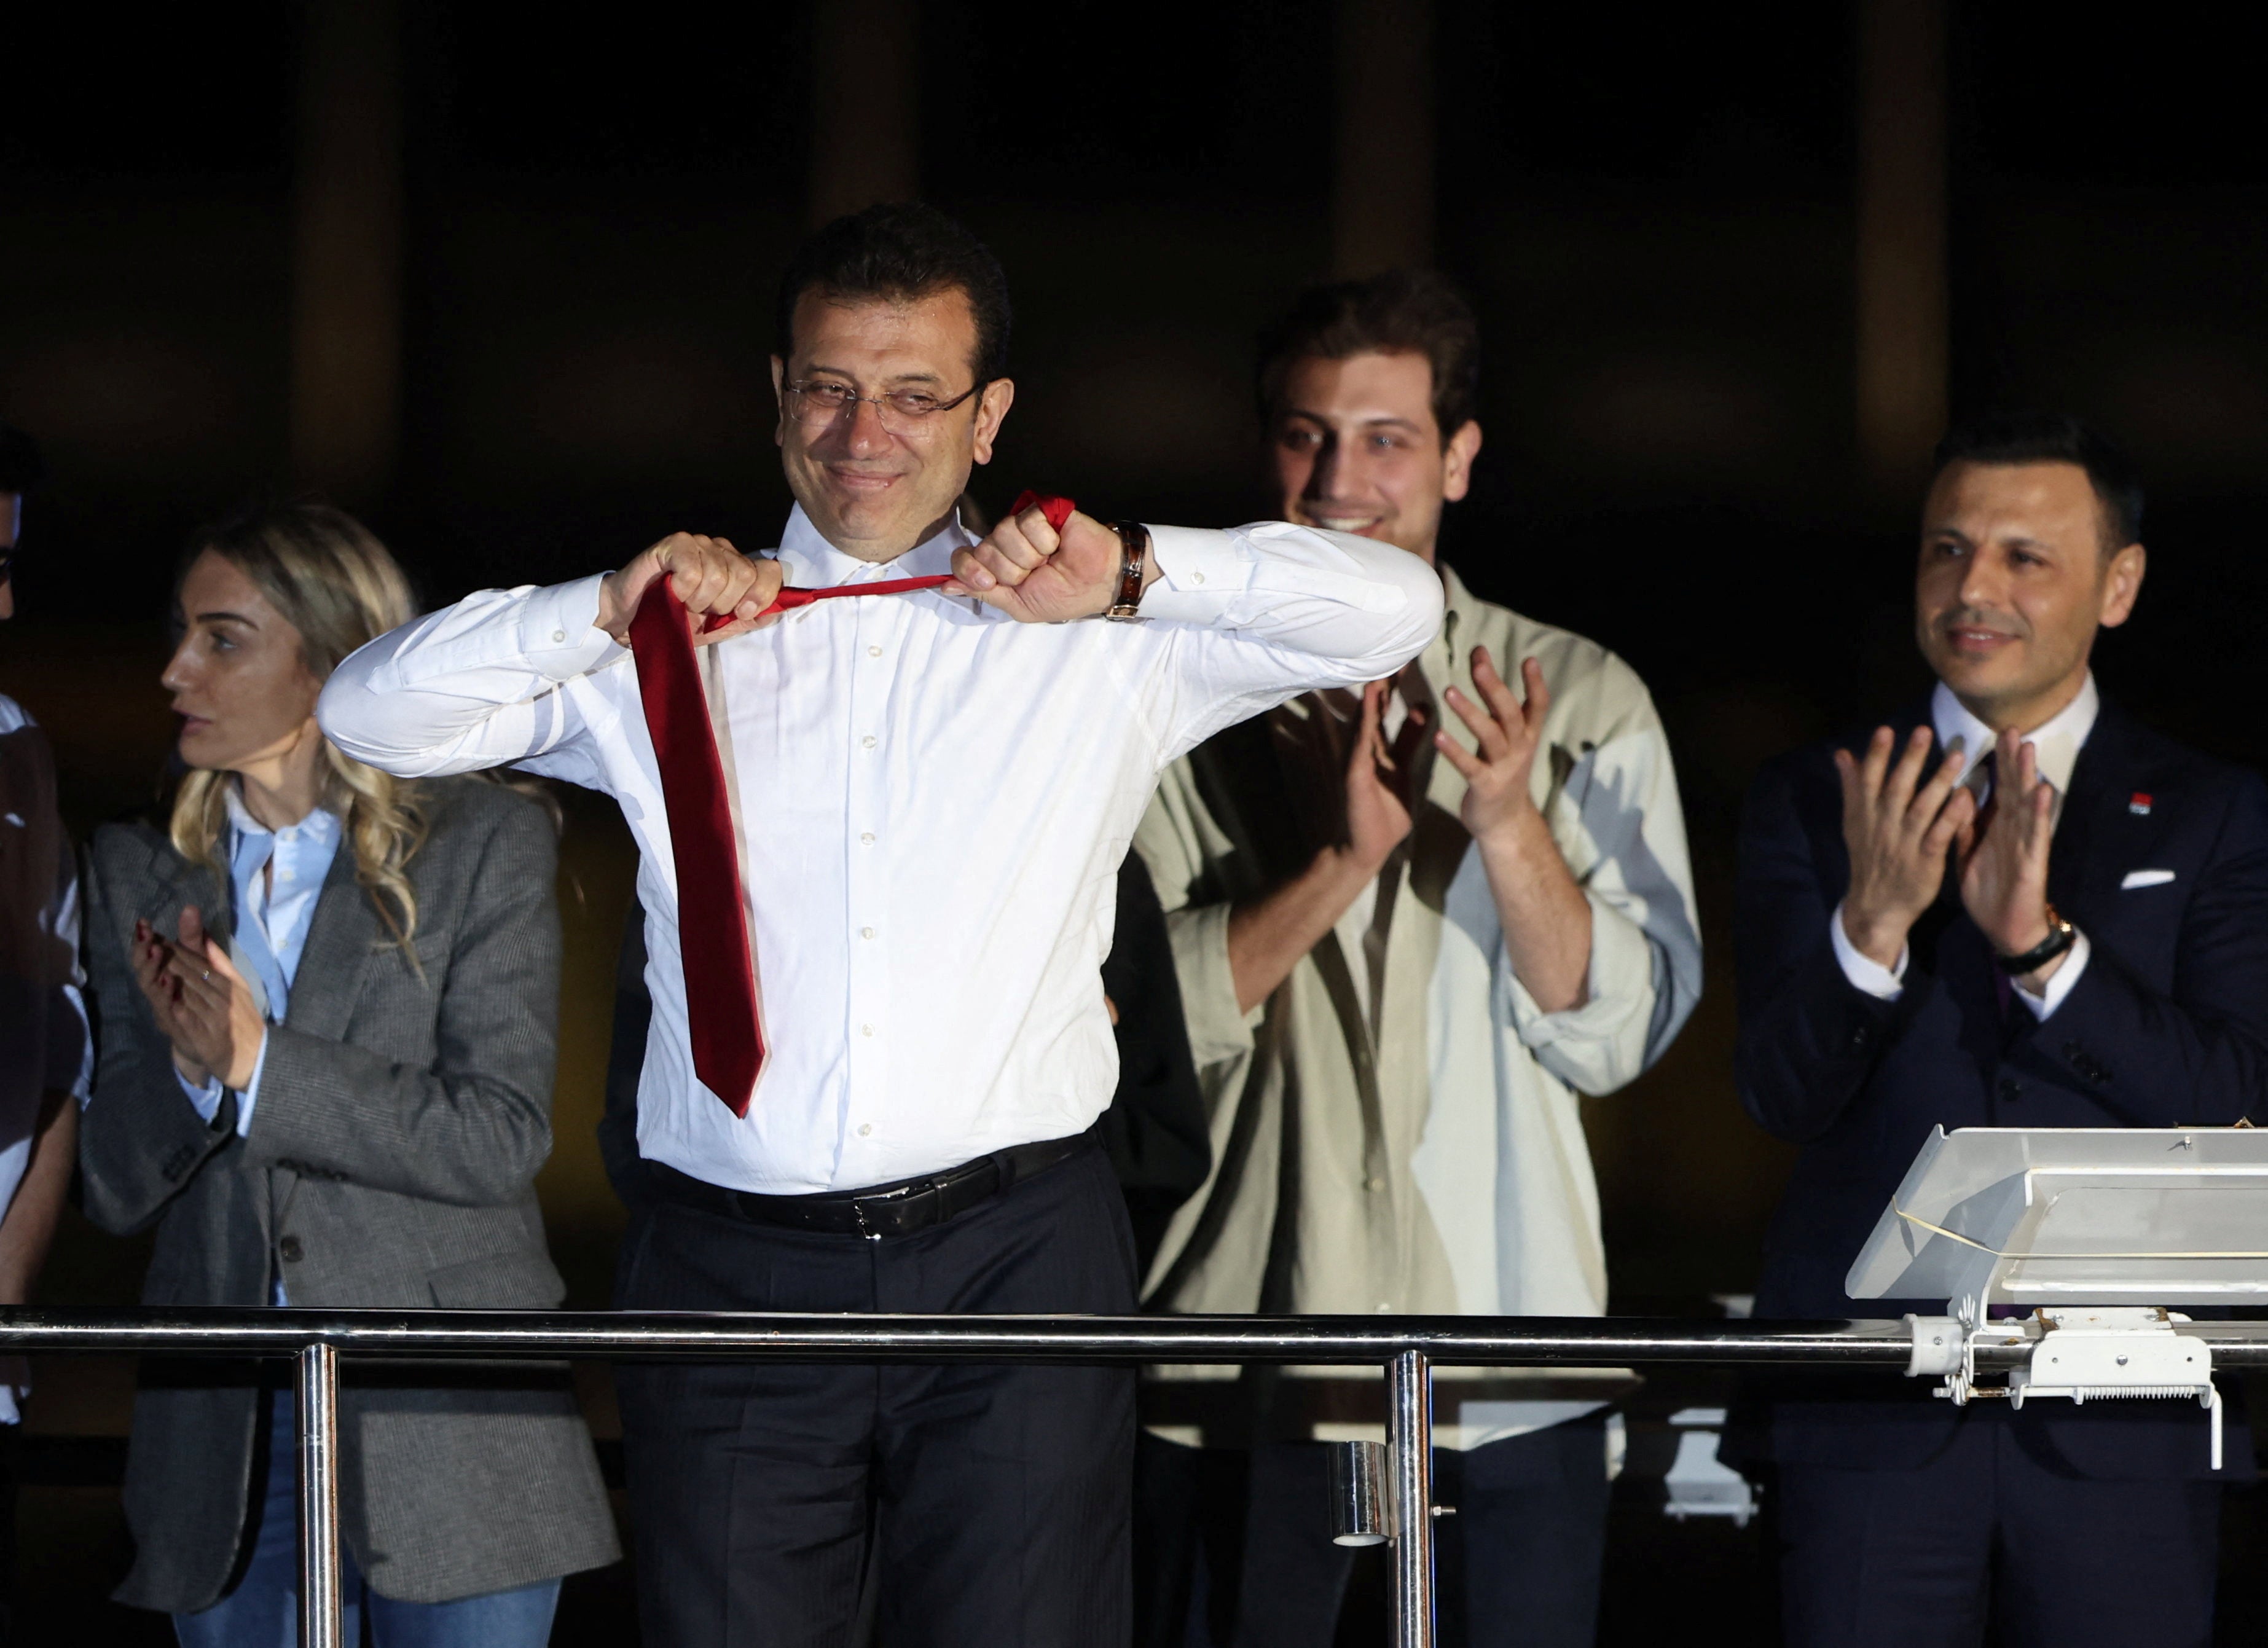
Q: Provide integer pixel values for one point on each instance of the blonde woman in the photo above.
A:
(328, 1005)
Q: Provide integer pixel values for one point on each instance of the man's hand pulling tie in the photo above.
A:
(1045, 563)
(715, 582)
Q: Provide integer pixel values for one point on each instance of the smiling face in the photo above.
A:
(1355, 448)
(873, 492)
(2014, 581)
(240, 679)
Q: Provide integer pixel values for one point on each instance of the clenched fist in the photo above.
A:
(710, 577)
(1038, 575)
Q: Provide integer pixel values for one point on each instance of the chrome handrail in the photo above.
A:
(1406, 1347)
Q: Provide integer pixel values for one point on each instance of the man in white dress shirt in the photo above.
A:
(931, 792)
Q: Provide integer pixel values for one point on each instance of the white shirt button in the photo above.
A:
(558, 634)
(866, 1128)
(867, 742)
(866, 838)
(874, 651)
(1385, 1307)
(865, 932)
(865, 1030)
(1373, 1184)
(1198, 577)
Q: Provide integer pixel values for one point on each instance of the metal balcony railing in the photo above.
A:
(1406, 1348)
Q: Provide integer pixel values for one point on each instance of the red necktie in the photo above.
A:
(712, 936)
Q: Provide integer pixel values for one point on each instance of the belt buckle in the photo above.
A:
(859, 1215)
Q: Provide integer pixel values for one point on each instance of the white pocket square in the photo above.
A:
(2144, 878)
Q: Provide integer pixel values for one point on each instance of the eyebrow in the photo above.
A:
(1374, 422)
(238, 617)
(902, 378)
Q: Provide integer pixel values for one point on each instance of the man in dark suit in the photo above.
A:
(2015, 905)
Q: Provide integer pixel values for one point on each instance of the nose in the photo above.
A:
(1984, 583)
(862, 434)
(178, 673)
(1326, 473)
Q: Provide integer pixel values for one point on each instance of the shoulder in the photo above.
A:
(131, 851)
(2155, 769)
(1592, 686)
(474, 804)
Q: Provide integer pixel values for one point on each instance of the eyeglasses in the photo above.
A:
(902, 411)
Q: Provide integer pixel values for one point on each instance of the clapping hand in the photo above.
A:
(1898, 829)
(202, 1006)
(1508, 731)
(2003, 854)
(1378, 802)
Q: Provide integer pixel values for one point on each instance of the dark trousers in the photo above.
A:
(995, 1501)
(1984, 1533)
(1236, 1549)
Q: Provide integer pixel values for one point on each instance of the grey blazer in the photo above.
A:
(391, 1163)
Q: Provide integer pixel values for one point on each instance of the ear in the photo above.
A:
(2122, 584)
(779, 397)
(991, 412)
(1457, 462)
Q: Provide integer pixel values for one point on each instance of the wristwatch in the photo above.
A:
(2061, 935)
(1135, 537)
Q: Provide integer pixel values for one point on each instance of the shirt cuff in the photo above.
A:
(1864, 971)
(1618, 985)
(250, 1096)
(206, 1099)
(2060, 983)
(559, 632)
(1200, 570)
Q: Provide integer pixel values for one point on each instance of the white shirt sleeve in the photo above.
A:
(2060, 983)
(475, 685)
(1870, 976)
(1270, 610)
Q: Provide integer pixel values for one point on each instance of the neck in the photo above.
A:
(281, 786)
(2025, 712)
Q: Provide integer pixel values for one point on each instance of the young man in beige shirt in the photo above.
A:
(1409, 927)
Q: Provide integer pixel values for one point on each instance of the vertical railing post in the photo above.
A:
(1410, 1418)
(322, 1623)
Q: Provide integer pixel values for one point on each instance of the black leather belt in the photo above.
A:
(879, 1211)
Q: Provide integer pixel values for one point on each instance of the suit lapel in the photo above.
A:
(341, 937)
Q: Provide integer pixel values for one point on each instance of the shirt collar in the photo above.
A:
(319, 825)
(812, 563)
(2056, 742)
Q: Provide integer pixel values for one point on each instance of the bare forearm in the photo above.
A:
(30, 1224)
(1267, 938)
(1546, 919)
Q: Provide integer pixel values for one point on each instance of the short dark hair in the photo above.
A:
(20, 468)
(1402, 312)
(2030, 437)
(902, 254)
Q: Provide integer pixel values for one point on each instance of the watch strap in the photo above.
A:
(2061, 935)
(1134, 538)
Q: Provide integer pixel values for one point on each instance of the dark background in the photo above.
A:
(1657, 211)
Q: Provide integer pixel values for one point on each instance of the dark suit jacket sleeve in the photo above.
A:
(1809, 1037)
(2198, 1056)
(474, 1127)
(140, 1139)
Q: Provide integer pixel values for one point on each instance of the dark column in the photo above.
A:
(866, 91)
(346, 251)
(1382, 179)
(1902, 303)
